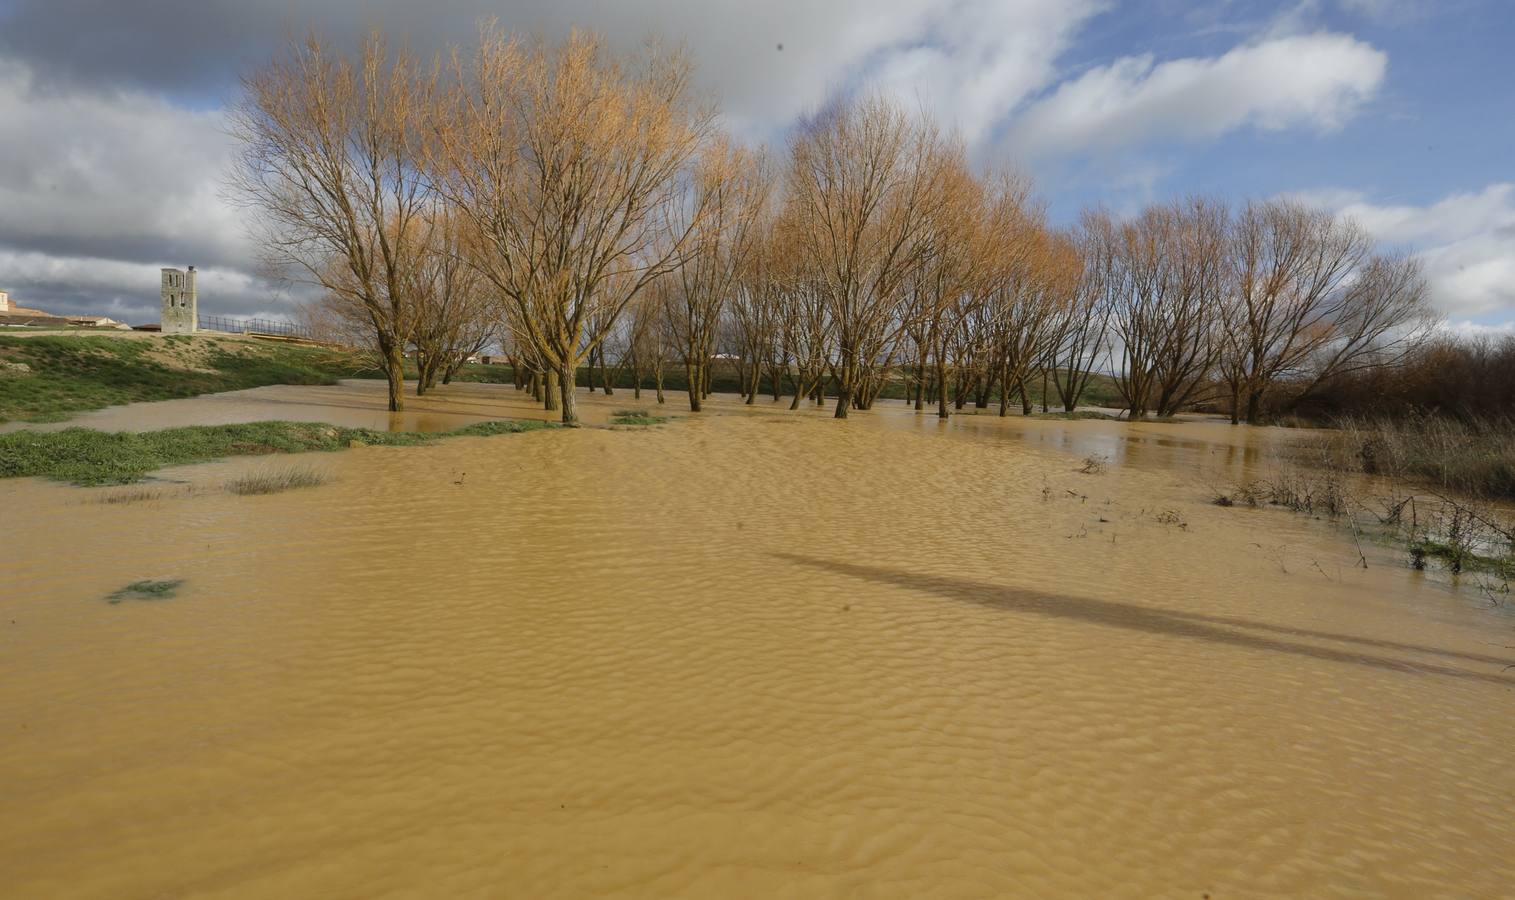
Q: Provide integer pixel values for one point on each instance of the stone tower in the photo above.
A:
(5, 302)
(180, 305)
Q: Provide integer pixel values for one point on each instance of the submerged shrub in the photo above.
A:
(1475, 457)
(151, 589)
(275, 482)
(131, 495)
(635, 417)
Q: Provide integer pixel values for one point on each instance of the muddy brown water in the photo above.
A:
(750, 653)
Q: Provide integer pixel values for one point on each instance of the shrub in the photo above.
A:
(274, 482)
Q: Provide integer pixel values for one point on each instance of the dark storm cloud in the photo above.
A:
(198, 48)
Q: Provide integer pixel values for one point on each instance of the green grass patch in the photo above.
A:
(160, 589)
(1461, 559)
(635, 417)
(83, 456)
(66, 375)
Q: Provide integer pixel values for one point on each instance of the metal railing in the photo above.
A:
(260, 326)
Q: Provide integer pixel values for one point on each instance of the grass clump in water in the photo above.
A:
(151, 589)
(83, 456)
(276, 482)
(500, 426)
(635, 417)
(1075, 416)
(128, 496)
(1094, 464)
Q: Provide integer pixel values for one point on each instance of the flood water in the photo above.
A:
(749, 653)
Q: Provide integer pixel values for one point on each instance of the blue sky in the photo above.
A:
(1442, 121)
(1396, 112)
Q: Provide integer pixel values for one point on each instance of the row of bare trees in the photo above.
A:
(572, 206)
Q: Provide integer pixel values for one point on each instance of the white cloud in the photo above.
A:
(980, 55)
(110, 173)
(1467, 329)
(1314, 81)
(102, 190)
(977, 60)
(99, 172)
(1466, 240)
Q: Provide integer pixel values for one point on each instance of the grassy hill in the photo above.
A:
(48, 377)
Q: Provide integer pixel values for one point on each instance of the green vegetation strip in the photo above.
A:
(83, 456)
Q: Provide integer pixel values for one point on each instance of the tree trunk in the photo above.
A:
(570, 398)
(551, 393)
(1254, 407)
(941, 391)
(394, 370)
(695, 378)
(755, 384)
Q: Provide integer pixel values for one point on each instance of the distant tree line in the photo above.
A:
(580, 208)
(1471, 379)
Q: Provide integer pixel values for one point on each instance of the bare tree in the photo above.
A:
(1079, 334)
(1311, 301)
(456, 315)
(567, 159)
(1031, 276)
(1169, 284)
(864, 180)
(331, 165)
(954, 261)
(758, 313)
(728, 190)
(783, 277)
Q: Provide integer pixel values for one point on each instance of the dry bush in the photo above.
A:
(276, 481)
(1093, 465)
(1475, 458)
